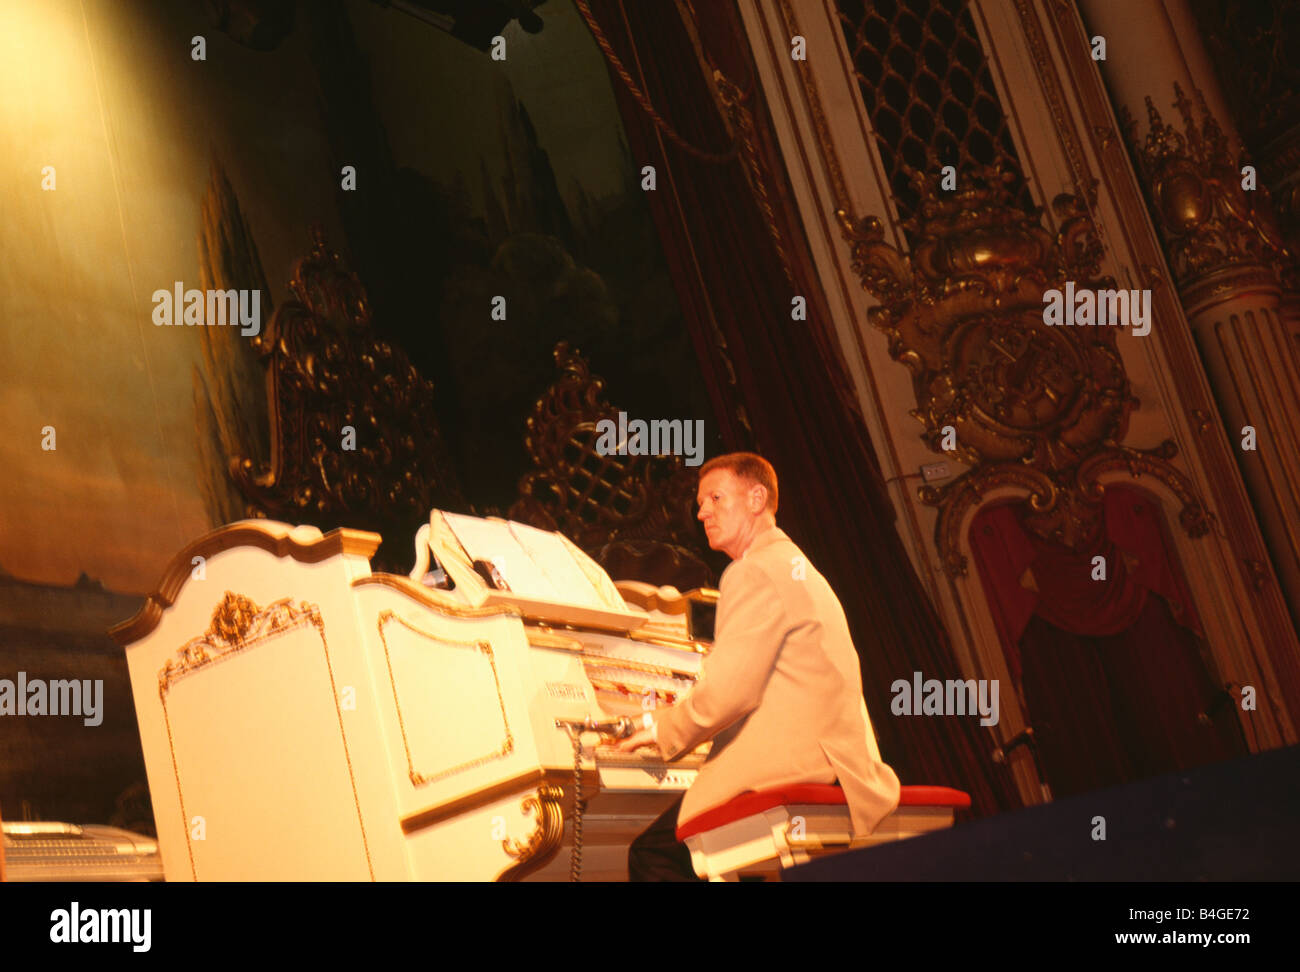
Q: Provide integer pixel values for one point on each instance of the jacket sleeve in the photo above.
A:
(751, 630)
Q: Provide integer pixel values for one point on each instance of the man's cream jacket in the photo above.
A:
(780, 694)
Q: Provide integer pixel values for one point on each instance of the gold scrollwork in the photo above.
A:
(546, 804)
(236, 623)
(327, 369)
(1207, 221)
(1040, 409)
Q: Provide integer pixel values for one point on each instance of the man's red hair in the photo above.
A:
(749, 467)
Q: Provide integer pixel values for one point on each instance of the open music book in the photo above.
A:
(536, 570)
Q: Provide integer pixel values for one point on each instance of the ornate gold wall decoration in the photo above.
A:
(1037, 408)
(327, 370)
(597, 500)
(545, 839)
(1213, 230)
(1061, 116)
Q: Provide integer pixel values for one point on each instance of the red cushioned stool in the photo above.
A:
(787, 825)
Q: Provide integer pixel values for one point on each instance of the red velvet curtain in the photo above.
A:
(1112, 672)
(1024, 575)
(738, 257)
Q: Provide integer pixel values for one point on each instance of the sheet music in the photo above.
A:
(549, 553)
(535, 563)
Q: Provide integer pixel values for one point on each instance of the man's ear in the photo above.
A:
(757, 498)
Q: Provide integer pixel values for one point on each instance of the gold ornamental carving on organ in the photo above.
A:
(237, 623)
(540, 846)
(481, 649)
(1043, 410)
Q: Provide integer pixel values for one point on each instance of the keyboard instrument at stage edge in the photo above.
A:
(427, 727)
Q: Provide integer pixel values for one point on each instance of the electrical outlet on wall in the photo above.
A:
(935, 470)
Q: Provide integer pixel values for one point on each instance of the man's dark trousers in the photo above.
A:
(657, 855)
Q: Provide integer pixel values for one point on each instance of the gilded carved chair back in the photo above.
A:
(353, 426)
(633, 514)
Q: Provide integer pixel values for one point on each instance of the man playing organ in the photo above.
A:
(780, 694)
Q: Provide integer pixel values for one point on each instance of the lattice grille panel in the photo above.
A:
(926, 86)
(598, 499)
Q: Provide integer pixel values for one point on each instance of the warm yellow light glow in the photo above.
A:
(78, 105)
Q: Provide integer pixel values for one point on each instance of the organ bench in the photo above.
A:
(756, 833)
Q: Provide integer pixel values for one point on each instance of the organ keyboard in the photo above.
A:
(303, 718)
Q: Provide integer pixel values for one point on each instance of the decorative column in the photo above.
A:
(1249, 47)
(1226, 256)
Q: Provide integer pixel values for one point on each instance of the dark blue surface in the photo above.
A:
(1233, 821)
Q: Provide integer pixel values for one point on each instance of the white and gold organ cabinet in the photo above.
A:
(303, 718)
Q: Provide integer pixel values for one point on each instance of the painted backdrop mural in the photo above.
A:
(134, 165)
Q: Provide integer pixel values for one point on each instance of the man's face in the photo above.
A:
(728, 510)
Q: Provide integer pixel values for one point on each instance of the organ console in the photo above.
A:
(303, 718)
